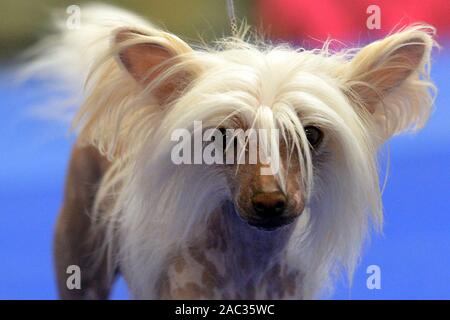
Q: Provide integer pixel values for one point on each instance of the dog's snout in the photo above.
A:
(269, 205)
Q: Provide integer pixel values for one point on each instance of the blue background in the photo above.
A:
(413, 252)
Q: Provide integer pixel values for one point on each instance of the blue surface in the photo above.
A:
(413, 252)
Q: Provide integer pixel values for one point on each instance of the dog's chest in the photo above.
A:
(218, 267)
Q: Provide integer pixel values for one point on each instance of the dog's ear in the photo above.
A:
(389, 77)
(145, 57)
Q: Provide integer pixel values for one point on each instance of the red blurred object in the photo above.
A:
(346, 20)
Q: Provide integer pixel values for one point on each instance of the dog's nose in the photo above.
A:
(269, 204)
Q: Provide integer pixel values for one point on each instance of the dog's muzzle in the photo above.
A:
(269, 210)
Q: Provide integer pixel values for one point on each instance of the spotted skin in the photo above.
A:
(222, 265)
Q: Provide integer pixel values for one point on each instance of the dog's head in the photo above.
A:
(330, 113)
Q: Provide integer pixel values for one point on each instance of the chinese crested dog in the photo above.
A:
(225, 230)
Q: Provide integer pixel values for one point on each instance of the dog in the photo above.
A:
(225, 231)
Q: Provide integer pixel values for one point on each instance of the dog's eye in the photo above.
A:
(223, 131)
(314, 135)
(226, 136)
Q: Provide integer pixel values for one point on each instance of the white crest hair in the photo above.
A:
(160, 206)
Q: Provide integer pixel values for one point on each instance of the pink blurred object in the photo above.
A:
(345, 20)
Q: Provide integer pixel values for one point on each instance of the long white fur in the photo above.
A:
(160, 206)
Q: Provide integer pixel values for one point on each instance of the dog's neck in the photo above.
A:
(250, 249)
(234, 260)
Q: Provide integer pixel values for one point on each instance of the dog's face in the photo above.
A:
(259, 199)
(331, 113)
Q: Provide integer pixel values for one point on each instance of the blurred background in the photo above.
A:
(413, 253)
